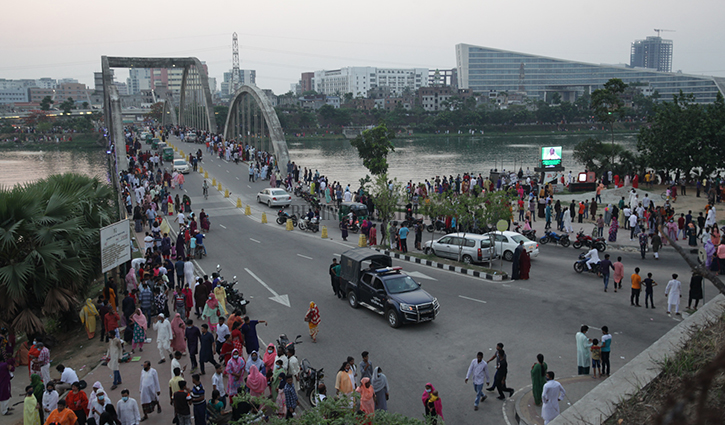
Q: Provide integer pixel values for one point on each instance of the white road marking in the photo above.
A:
(420, 275)
(304, 256)
(469, 298)
(223, 226)
(237, 178)
(254, 240)
(227, 171)
(282, 299)
(219, 165)
(249, 186)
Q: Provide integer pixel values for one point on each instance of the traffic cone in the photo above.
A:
(362, 243)
(239, 203)
(323, 233)
(206, 175)
(226, 193)
(213, 181)
(219, 186)
(290, 226)
(247, 210)
(264, 218)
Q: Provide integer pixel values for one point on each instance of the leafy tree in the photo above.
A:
(49, 251)
(46, 103)
(156, 112)
(85, 105)
(386, 195)
(607, 102)
(67, 106)
(600, 157)
(373, 146)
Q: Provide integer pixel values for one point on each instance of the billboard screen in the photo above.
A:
(551, 156)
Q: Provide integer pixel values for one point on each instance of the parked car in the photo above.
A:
(190, 137)
(182, 166)
(469, 247)
(506, 242)
(274, 197)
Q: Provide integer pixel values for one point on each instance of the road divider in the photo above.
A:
(219, 186)
(290, 226)
(248, 210)
(213, 181)
(362, 242)
(323, 233)
(226, 193)
(239, 202)
(264, 218)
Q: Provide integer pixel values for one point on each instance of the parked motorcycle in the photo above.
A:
(530, 234)
(310, 379)
(283, 343)
(437, 226)
(234, 297)
(588, 241)
(282, 217)
(311, 225)
(581, 265)
(550, 236)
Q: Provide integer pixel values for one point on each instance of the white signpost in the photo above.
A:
(115, 245)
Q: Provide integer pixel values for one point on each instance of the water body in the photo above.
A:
(29, 166)
(420, 158)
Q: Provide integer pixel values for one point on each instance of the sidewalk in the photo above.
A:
(576, 387)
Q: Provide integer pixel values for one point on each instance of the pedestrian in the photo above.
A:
(381, 388)
(206, 348)
(604, 267)
(235, 372)
(269, 357)
(178, 330)
(221, 297)
(374, 235)
(98, 405)
(88, 316)
(596, 353)
(31, 407)
(695, 289)
(127, 409)
(606, 342)
(333, 278)
(312, 317)
(643, 239)
(249, 329)
(367, 396)
(344, 381)
(164, 334)
(150, 390)
(62, 415)
(656, 244)
(673, 293)
(600, 226)
(197, 400)
(256, 382)
(115, 352)
(403, 234)
(553, 392)
(343, 228)
(78, 402)
(582, 350)
(636, 288)
(618, 274)
(217, 383)
(192, 334)
(42, 362)
(649, 285)
(432, 402)
(366, 367)
(515, 266)
(290, 397)
(50, 399)
(613, 227)
(538, 378)
(499, 380)
(139, 324)
(181, 401)
(478, 370)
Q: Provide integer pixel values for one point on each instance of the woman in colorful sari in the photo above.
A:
(88, 317)
(31, 409)
(211, 312)
(235, 371)
(237, 337)
(178, 330)
(312, 317)
(367, 396)
(256, 382)
(269, 357)
(139, 330)
(221, 297)
(432, 402)
(613, 227)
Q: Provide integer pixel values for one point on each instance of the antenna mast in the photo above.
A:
(235, 64)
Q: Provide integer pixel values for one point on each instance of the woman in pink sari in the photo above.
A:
(432, 402)
(178, 329)
(256, 382)
(235, 371)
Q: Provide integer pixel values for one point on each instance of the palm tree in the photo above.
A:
(49, 246)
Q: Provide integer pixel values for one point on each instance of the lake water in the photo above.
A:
(419, 158)
(28, 166)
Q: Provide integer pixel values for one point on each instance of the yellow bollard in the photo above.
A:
(247, 210)
(206, 175)
(219, 186)
(239, 203)
(362, 243)
(182, 154)
(213, 181)
(175, 150)
(290, 226)
(264, 218)
(226, 193)
(201, 169)
(323, 233)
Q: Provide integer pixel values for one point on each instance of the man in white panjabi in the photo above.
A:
(550, 396)
(150, 389)
(582, 351)
(673, 293)
(163, 337)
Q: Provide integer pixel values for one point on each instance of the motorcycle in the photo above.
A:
(351, 227)
(437, 226)
(581, 265)
(530, 234)
(311, 225)
(310, 379)
(589, 242)
(234, 297)
(550, 236)
(282, 217)
(283, 343)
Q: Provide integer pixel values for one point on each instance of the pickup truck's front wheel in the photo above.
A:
(352, 299)
(392, 317)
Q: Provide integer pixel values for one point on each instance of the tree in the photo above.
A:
(606, 103)
(85, 105)
(373, 146)
(67, 106)
(49, 250)
(46, 103)
(220, 116)
(386, 195)
(156, 112)
(600, 157)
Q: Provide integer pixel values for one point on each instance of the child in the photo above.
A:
(596, 356)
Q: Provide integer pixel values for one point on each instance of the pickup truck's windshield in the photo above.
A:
(401, 284)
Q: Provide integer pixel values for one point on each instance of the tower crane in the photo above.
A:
(658, 31)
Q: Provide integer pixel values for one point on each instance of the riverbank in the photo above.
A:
(26, 142)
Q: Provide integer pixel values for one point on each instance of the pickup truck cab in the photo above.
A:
(368, 279)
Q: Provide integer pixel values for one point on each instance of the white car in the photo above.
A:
(507, 241)
(274, 197)
(182, 166)
(473, 248)
(190, 137)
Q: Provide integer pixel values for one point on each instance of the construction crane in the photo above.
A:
(658, 31)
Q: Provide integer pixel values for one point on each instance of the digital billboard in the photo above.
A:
(551, 156)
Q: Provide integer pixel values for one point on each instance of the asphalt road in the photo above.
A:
(540, 315)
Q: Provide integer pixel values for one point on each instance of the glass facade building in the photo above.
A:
(485, 69)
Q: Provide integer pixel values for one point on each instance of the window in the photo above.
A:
(378, 284)
(445, 240)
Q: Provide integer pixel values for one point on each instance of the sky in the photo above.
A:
(281, 39)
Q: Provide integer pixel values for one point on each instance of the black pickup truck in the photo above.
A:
(369, 279)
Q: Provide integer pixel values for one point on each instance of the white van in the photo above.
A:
(469, 247)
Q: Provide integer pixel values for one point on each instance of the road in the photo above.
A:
(540, 315)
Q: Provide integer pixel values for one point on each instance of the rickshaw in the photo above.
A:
(168, 154)
(360, 210)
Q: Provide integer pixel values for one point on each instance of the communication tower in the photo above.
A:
(235, 64)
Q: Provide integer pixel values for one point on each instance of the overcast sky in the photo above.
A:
(281, 39)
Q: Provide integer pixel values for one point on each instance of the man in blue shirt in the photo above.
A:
(403, 233)
(290, 396)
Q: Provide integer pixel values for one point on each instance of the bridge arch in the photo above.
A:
(250, 111)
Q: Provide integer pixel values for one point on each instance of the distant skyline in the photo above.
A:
(281, 39)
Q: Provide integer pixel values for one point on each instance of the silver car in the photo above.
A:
(274, 197)
(469, 247)
(181, 166)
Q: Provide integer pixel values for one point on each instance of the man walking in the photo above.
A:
(150, 390)
(403, 233)
(222, 330)
(181, 402)
(618, 274)
(604, 267)
(674, 293)
(479, 371)
(192, 335)
(163, 337)
(249, 330)
(127, 409)
(206, 351)
(636, 288)
(552, 394)
(333, 278)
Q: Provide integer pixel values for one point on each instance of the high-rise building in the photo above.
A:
(653, 53)
(358, 80)
(484, 69)
(138, 79)
(245, 76)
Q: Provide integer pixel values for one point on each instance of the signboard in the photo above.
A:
(115, 245)
(551, 156)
